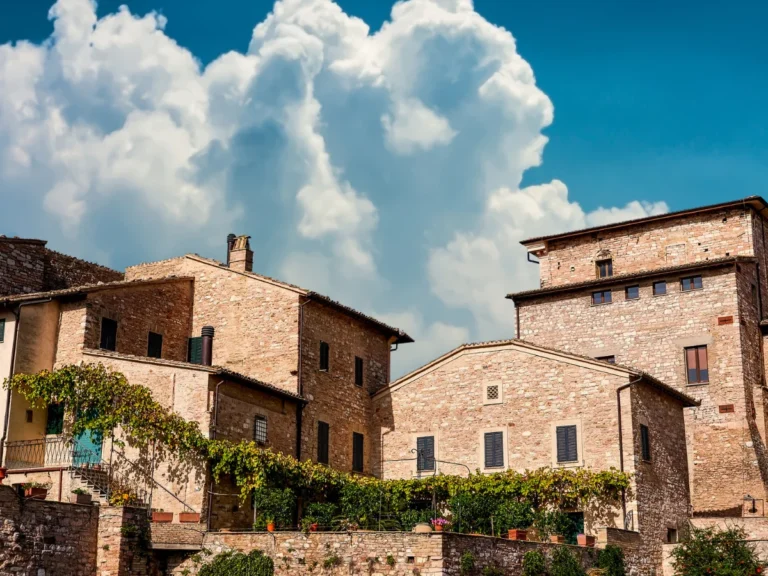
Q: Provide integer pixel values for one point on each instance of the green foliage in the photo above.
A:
(323, 514)
(273, 505)
(331, 561)
(513, 514)
(492, 570)
(550, 522)
(390, 560)
(611, 559)
(467, 563)
(711, 551)
(534, 564)
(80, 491)
(407, 519)
(564, 563)
(239, 564)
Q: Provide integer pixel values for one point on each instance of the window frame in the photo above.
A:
(490, 402)
(504, 450)
(628, 288)
(361, 436)
(433, 469)
(602, 293)
(149, 345)
(256, 419)
(698, 368)
(580, 460)
(609, 269)
(609, 358)
(359, 372)
(653, 288)
(327, 460)
(102, 334)
(325, 356)
(57, 410)
(645, 443)
(692, 280)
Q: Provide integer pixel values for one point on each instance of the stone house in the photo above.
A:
(510, 404)
(680, 296)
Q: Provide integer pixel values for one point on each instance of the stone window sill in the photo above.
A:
(601, 304)
(694, 384)
(577, 464)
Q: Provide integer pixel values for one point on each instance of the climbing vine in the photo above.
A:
(106, 402)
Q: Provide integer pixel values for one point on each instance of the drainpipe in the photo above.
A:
(517, 320)
(215, 422)
(17, 315)
(300, 381)
(621, 443)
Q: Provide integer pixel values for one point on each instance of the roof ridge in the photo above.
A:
(86, 288)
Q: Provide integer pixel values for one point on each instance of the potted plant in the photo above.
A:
(270, 524)
(517, 534)
(557, 538)
(189, 517)
(80, 496)
(439, 523)
(161, 516)
(35, 490)
(584, 540)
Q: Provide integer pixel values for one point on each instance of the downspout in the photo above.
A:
(300, 382)
(621, 443)
(517, 320)
(17, 315)
(213, 434)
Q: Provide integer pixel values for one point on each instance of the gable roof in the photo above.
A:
(756, 202)
(553, 353)
(401, 336)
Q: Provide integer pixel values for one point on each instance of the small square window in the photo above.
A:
(697, 365)
(602, 297)
(260, 429)
(671, 535)
(692, 283)
(492, 392)
(632, 292)
(609, 359)
(660, 288)
(604, 268)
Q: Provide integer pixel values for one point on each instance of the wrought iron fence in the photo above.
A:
(41, 453)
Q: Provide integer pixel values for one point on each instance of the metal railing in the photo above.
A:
(42, 453)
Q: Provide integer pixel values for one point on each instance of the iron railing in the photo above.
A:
(42, 453)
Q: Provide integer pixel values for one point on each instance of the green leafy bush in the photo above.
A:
(534, 564)
(407, 519)
(492, 570)
(472, 511)
(550, 522)
(565, 564)
(711, 551)
(467, 563)
(239, 564)
(275, 505)
(611, 559)
(513, 514)
(322, 513)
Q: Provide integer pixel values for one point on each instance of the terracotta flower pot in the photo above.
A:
(162, 517)
(270, 526)
(3, 473)
(584, 540)
(36, 493)
(81, 499)
(557, 539)
(189, 517)
(313, 527)
(516, 534)
(438, 527)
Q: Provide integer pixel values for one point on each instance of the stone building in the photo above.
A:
(510, 404)
(680, 296)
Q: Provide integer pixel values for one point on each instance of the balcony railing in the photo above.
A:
(51, 452)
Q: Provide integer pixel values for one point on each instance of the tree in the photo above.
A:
(711, 551)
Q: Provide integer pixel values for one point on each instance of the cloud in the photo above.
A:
(383, 168)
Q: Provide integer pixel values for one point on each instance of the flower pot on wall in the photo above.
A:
(85, 499)
(162, 517)
(3, 473)
(313, 527)
(189, 517)
(270, 526)
(518, 534)
(584, 540)
(557, 539)
(36, 493)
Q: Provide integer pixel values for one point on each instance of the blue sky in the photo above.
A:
(384, 169)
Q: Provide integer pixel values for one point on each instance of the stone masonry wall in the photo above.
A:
(41, 538)
(691, 238)
(22, 265)
(650, 334)
(123, 537)
(334, 397)
(256, 320)
(62, 271)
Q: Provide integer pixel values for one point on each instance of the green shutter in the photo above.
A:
(195, 350)
(2, 329)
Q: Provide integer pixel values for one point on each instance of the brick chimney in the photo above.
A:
(240, 255)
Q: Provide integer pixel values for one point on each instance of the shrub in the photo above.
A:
(273, 504)
(712, 551)
(467, 563)
(472, 512)
(239, 564)
(534, 564)
(322, 513)
(331, 561)
(549, 522)
(513, 514)
(407, 519)
(492, 570)
(611, 559)
(565, 564)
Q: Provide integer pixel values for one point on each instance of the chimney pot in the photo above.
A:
(207, 334)
(240, 256)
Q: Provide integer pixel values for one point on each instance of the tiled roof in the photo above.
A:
(687, 401)
(620, 278)
(88, 288)
(214, 370)
(755, 201)
(17, 240)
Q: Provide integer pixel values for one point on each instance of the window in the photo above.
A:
(323, 438)
(492, 392)
(567, 448)
(692, 283)
(54, 423)
(2, 329)
(645, 443)
(696, 364)
(609, 359)
(324, 356)
(30, 415)
(260, 429)
(602, 297)
(660, 288)
(425, 454)
(671, 535)
(358, 371)
(108, 334)
(604, 268)
(494, 449)
(155, 345)
(632, 292)
(357, 452)
(195, 350)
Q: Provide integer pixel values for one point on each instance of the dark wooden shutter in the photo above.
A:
(155, 345)
(358, 371)
(195, 350)
(324, 356)
(425, 453)
(2, 329)
(357, 452)
(567, 450)
(494, 450)
(108, 334)
(645, 442)
(323, 436)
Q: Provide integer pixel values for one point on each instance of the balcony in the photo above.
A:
(50, 452)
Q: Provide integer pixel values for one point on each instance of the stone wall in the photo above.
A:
(690, 238)
(22, 265)
(62, 271)
(123, 543)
